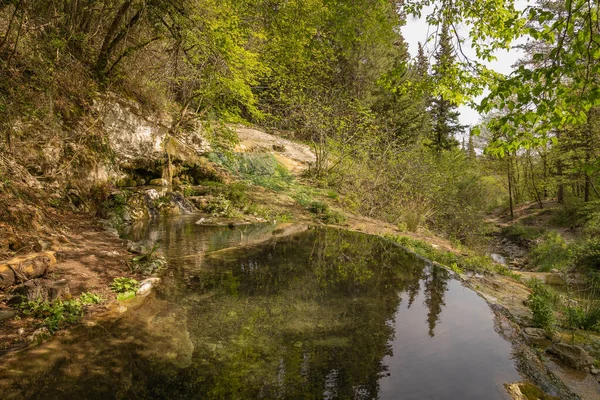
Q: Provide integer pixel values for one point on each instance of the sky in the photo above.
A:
(417, 30)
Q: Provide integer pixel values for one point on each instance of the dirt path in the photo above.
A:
(89, 257)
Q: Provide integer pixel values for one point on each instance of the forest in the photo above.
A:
(384, 125)
(337, 77)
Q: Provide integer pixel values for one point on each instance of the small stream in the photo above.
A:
(278, 312)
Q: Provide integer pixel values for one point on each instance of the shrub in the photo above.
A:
(333, 217)
(221, 206)
(552, 252)
(587, 254)
(541, 303)
(592, 226)
(318, 207)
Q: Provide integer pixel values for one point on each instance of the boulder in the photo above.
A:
(535, 334)
(24, 268)
(158, 182)
(141, 247)
(39, 335)
(7, 314)
(571, 355)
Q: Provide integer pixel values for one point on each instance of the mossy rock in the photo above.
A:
(532, 392)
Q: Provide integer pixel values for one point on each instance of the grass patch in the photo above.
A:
(519, 231)
(264, 170)
(456, 262)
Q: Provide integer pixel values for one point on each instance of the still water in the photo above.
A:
(264, 312)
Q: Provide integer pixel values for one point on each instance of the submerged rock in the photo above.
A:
(141, 247)
(571, 355)
(7, 314)
(146, 286)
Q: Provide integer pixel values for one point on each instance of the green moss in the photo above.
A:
(532, 392)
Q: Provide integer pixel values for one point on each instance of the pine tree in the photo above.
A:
(444, 113)
(401, 99)
(422, 63)
(471, 148)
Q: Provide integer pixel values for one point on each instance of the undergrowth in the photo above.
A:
(59, 313)
(264, 170)
(125, 288)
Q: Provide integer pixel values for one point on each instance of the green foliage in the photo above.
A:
(541, 303)
(502, 270)
(124, 285)
(587, 253)
(551, 253)
(586, 317)
(567, 215)
(260, 169)
(187, 190)
(59, 313)
(592, 226)
(590, 213)
(90, 298)
(456, 269)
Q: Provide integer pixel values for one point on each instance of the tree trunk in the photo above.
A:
(110, 41)
(586, 188)
(560, 194)
(510, 191)
(535, 189)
